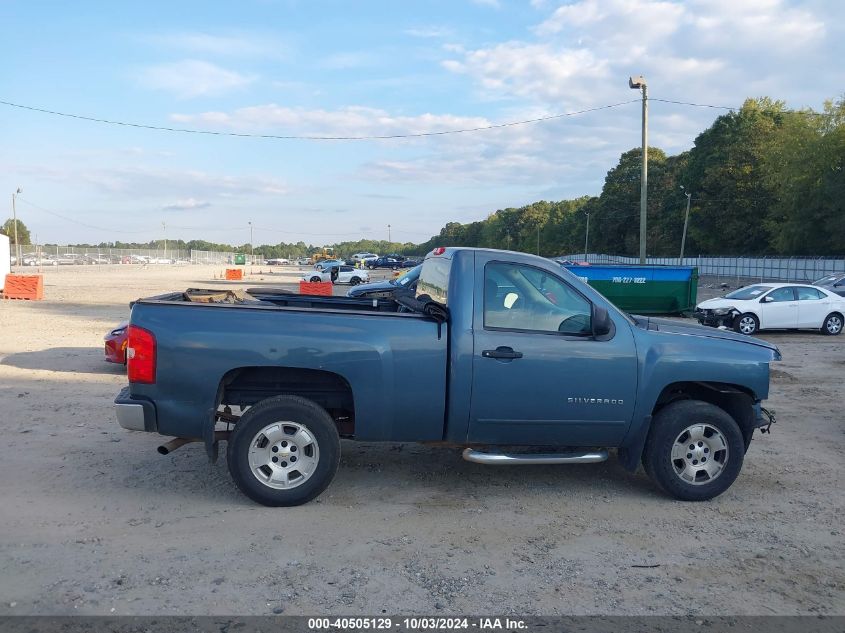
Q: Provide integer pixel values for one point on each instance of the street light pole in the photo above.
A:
(587, 236)
(164, 230)
(636, 83)
(388, 235)
(251, 245)
(15, 224)
(686, 222)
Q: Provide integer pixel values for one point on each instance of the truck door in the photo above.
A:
(539, 376)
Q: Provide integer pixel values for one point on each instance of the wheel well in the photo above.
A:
(735, 400)
(245, 386)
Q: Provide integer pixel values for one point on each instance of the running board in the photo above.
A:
(507, 459)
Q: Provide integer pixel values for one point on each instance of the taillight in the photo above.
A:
(140, 355)
(439, 250)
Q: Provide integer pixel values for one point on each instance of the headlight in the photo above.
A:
(722, 311)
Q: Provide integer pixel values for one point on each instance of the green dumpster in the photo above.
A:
(240, 259)
(643, 289)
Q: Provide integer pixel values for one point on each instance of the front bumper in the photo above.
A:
(707, 317)
(135, 414)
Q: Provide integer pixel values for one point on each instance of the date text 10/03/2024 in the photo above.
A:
(416, 624)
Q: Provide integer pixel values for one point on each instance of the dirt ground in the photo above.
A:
(94, 521)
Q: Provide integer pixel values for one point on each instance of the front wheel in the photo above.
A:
(316, 279)
(354, 281)
(746, 324)
(694, 450)
(284, 451)
(832, 324)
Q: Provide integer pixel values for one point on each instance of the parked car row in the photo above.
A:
(80, 259)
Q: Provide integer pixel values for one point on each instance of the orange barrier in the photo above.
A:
(322, 288)
(234, 274)
(29, 287)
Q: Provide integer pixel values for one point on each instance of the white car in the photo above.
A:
(359, 257)
(345, 275)
(775, 306)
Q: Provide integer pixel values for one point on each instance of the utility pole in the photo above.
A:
(388, 234)
(15, 224)
(587, 236)
(686, 222)
(636, 83)
(164, 229)
(251, 245)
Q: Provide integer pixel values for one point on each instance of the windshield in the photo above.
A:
(408, 278)
(751, 292)
(826, 280)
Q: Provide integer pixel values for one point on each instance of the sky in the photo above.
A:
(333, 68)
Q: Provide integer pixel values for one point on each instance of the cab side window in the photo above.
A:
(518, 297)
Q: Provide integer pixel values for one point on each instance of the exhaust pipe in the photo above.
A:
(176, 442)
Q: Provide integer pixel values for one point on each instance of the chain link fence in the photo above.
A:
(52, 255)
(736, 270)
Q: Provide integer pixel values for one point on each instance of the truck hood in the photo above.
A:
(673, 326)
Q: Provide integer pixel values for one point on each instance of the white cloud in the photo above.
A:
(584, 51)
(349, 121)
(216, 45)
(429, 32)
(154, 182)
(534, 71)
(191, 78)
(187, 204)
(348, 60)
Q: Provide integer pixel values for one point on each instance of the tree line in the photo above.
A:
(763, 180)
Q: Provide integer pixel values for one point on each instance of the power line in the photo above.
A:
(297, 137)
(75, 221)
(734, 109)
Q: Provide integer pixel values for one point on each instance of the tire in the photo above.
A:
(354, 281)
(832, 324)
(285, 429)
(316, 279)
(680, 471)
(747, 324)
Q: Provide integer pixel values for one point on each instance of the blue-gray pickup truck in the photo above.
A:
(503, 354)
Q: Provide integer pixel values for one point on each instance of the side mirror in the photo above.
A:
(601, 321)
(766, 300)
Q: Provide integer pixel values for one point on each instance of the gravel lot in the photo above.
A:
(94, 521)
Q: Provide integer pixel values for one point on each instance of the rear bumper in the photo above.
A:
(135, 414)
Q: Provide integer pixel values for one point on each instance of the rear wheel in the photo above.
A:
(746, 324)
(832, 324)
(694, 450)
(284, 451)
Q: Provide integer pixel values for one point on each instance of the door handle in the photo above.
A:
(501, 352)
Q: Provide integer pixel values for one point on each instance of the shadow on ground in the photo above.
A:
(65, 359)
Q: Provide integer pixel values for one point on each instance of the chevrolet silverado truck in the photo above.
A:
(505, 355)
